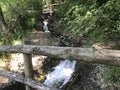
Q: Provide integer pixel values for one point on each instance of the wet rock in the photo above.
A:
(90, 77)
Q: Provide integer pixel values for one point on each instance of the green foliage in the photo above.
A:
(85, 18)
(98, 22)
(112, 74)
(20, 16)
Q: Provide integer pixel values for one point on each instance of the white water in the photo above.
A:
(45, 27)
(61, 74)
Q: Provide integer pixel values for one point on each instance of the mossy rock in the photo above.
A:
(40, 38)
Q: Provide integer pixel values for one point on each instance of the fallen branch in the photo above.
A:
(20, 78)
(91, 55)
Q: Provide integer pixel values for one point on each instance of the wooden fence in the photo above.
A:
(91, 55)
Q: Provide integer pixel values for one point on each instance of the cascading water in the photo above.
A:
(61, 74)
(45, 27)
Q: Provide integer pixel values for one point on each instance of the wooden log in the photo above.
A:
(28, 68)
(91, 55)
(20, 78)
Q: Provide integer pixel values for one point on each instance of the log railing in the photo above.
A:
(91, 55)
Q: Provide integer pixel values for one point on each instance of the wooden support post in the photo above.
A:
(28, 68)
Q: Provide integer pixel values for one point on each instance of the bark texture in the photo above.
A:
(91, 55)
(2, 22)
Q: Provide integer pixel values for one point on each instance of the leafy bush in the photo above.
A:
(88, 19)
(93, 19)
(20, 17)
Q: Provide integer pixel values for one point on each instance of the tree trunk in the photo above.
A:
(4, 33)
(2, 22)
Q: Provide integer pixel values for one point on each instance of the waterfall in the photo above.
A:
(45, 27)
(61, 74)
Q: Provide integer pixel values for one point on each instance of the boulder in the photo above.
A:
(39, 38)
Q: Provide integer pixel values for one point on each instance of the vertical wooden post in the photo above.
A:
(28, 68)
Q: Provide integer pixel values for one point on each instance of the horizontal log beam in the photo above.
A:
(20, 78)
(103, 56)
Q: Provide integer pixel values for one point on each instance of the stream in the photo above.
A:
(61, 74)
(88, 76)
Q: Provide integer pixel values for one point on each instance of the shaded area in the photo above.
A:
(11, 85)
(16, 86)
